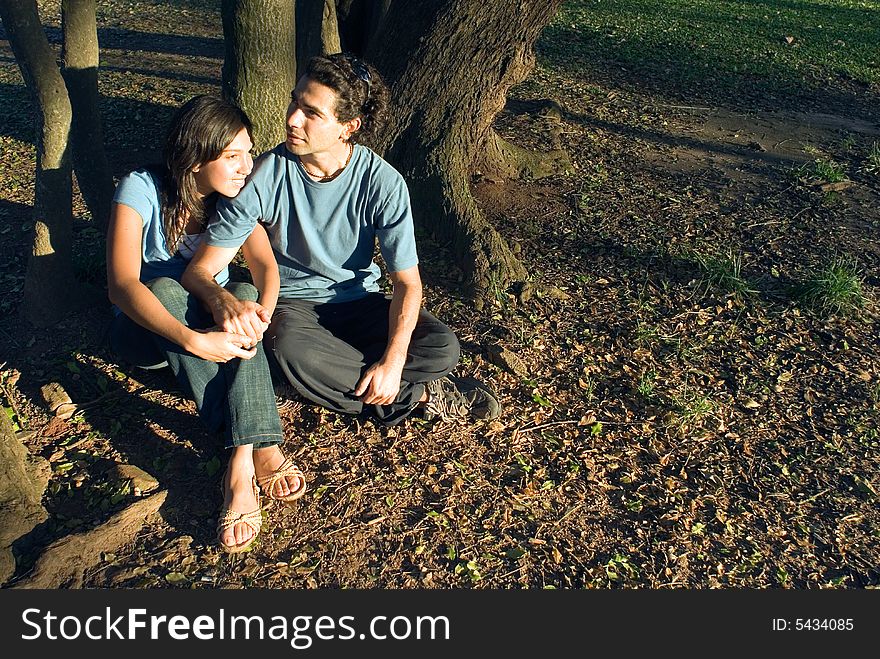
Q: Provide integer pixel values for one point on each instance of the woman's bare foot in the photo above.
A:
(266, 461)
(239, 495)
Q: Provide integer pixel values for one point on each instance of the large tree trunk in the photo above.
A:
(450, 64)
(259, 69)
(49, 281)
(317, 30)
(79, 55)
(359, 22)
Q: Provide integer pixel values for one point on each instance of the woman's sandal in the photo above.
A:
(267, 483)
(229, 518)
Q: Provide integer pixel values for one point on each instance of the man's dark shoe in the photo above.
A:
(453, 398)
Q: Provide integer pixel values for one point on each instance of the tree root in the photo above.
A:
(65, 562)
(23, 479)
(504, 160)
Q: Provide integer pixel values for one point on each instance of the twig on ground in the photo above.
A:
(110, 394)
(800, 211)
(685, 107)
(545, 425)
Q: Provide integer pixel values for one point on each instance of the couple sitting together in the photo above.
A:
(307, 219)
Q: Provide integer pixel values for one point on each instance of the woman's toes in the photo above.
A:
(289, 485)
(283, 488)
(243, 533)
(228, 537)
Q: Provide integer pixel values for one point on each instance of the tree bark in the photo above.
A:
(23, 480)
(359, 22)
(48, 294)
(259, 69)
(450, 64)
(317, 31)
(79, 55)
(505, 160)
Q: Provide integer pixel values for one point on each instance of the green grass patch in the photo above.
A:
(723, 273)
(646, 384)
(834, 289)
(829, 171)
(872, 161)
(822, 169)
(689, 40)
(690, 410)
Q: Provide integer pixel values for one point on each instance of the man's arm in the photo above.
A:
(264, 268)
(381, 382)
(230, 313)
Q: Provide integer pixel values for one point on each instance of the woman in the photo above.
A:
(156, 225)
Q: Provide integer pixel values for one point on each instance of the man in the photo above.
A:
(324, 201)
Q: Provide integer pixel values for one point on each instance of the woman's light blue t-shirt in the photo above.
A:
(139, 190)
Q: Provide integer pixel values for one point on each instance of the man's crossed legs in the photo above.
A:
(323, 350)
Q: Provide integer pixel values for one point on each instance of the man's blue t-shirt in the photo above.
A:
(323, 234)
(139, 190)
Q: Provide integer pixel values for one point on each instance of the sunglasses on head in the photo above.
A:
(360, 70)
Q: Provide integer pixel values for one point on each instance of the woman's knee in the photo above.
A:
(178, 301)
(168, 291)
(243, 290)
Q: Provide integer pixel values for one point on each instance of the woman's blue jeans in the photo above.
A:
(236, 398)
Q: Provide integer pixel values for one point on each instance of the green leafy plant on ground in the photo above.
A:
(829, 171)
(821, 170)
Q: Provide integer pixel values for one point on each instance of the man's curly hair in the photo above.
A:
(360, 92)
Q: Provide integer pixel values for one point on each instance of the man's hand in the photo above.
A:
(380, 384)
(216, 346)
(243, 317)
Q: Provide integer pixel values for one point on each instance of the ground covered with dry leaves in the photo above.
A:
(677, 413)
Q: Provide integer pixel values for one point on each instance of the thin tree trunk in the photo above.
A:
(80, 61)
(451, 64)
(49, 281)
(259, 69)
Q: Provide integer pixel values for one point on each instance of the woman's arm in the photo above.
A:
(263, 266)
(124, 236)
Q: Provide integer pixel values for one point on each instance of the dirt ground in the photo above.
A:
(657, 431)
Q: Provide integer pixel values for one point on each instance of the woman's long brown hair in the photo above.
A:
(199, 132)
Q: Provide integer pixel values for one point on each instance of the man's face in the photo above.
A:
(312, 125)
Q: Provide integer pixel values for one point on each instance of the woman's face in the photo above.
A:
(227, 173)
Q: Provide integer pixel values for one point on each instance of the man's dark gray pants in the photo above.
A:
(323, 350)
